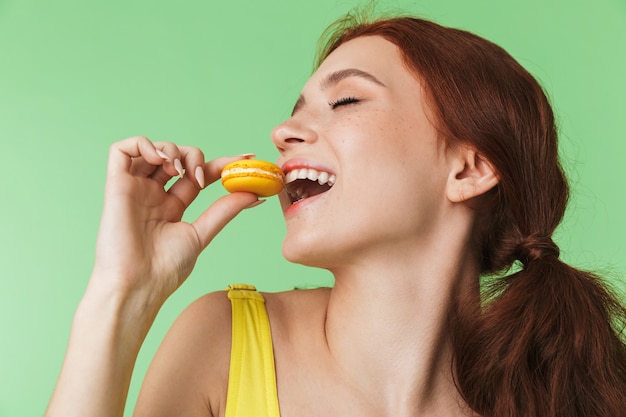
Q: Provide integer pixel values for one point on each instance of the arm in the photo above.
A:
(144, 253)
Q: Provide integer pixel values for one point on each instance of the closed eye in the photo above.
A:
(343, 102)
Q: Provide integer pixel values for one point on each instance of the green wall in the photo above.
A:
(76, 75)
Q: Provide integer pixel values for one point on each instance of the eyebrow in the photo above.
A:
(334, 78)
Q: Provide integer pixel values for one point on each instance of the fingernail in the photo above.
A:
(200, 176)
(256, 203)
(247, 155)
(178, 166)
(162, 155)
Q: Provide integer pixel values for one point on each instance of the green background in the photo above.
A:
(77, 75)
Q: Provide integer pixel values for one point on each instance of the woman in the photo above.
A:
(444, 151)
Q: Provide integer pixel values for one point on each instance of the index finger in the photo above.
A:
(121, 154)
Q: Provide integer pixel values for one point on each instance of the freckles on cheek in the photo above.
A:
(397, 134)
(352, 131)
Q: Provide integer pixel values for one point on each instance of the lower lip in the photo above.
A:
(299, 205)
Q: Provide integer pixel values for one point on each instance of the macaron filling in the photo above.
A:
(249, 170)
(303, 183)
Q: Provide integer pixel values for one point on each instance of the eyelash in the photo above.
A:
(343, 102)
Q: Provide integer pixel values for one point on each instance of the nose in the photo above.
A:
(292, 133)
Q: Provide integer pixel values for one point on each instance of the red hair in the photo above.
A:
(546, 340)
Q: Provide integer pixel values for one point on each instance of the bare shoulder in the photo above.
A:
(189, 374)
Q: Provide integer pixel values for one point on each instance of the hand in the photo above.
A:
(143, 247)
(144, 252)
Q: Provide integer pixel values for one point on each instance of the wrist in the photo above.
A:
(126, 312)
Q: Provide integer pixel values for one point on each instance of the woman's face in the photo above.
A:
(361, 126)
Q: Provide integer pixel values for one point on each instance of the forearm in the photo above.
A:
(106, 336)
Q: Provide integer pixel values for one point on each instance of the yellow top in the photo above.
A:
(252, 378)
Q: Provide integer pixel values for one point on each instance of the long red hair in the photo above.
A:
(547, 340)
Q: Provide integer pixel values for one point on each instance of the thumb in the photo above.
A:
(222, 211)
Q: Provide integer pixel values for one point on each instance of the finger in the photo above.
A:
(161, 176)
(121, 154)
(172, 165)
(142, 168)
(213, 220)
(188, 165)
(192, 158)
(187, 188)
(181, 161)
(165, 170)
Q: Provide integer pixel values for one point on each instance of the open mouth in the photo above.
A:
(303, 183)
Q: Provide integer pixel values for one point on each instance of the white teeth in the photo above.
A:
(321, 177)
(291, 176)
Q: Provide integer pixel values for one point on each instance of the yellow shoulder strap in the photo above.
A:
(252, 377)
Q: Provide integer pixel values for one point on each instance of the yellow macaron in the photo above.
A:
(253, 175)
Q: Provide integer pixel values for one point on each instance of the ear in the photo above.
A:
(471, 175)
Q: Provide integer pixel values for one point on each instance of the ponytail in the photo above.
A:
(549, 342)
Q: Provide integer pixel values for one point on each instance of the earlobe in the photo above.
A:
(471, 175)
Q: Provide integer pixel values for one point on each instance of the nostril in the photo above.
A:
(293, 132)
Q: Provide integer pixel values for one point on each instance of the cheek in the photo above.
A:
(372, 135)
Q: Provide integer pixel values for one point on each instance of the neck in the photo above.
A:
(391, 313)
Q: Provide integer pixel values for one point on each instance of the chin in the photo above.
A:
(301, 256)
(307, 252)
